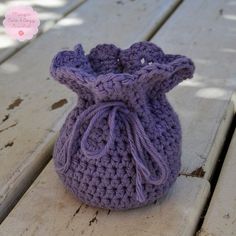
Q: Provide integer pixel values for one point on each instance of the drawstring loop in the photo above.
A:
(137, 137)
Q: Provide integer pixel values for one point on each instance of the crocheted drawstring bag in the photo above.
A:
(120, 147)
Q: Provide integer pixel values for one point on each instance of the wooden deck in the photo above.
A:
(205, 31)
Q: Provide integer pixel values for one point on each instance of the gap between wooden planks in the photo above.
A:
(220, 218)
(203, 105)
(49, 14)
(34, 106)
(48, 208)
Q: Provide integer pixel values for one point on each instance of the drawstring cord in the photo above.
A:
(138, 141)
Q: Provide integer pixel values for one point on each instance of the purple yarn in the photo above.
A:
(120, 147)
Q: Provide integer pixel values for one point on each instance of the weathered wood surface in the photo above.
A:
(48, 209)
(205, 31)
(234, 101)
(49, 13)
(34, 106)
(178, 214)
(220, 218)
(205, 112)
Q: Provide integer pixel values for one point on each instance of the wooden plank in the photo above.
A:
(48, 209)
(177, 214)
(221, 215)
(203, 103)
(234, 101)
(209, 99)
(28, 97)
(49, 13)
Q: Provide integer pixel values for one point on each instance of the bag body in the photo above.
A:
(120, 147)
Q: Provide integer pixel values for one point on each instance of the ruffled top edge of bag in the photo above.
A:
(108, 67)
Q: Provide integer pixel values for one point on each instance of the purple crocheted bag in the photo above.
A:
(120, 146)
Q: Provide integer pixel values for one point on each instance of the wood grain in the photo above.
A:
(205, 109)
(203, 103)
(49, 13)
(32, 124)
(220, 218)
(48, 209)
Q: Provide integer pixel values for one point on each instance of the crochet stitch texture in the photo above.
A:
(120, 147)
